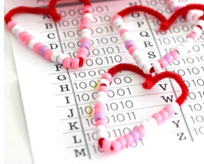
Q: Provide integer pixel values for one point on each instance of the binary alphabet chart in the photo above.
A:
(58, 103)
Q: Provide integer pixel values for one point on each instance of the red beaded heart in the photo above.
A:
(139, 132)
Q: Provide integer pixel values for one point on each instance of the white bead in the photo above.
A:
(147, 125)
(122, 26)
(104, 81)
(141, 64)
(190, 41)
(138, 59)
(102, 134)
(117, 22)
(126, 36)
(31, 43)
(18, 31)
(86, 30)
(153, 122)
(189, 16)
(135, 54)
(187, 46)
(201, 23)
(181, 50)
(197, 30)
(14, 28)
(61, 57)
(197, 15)
(102, 94)
(175, 106)
(174, 5)
(157, 67)
(101, 99)
(88, 15)
(146, 68)
(101, 128)
(86, 35)
(54, 57)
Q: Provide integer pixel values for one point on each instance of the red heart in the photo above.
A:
(139, 131)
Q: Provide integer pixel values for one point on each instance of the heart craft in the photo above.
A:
(85, 44)
(139, 132)
(187, 11)
(44, 50)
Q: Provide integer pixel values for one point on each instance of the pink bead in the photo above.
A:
(141, 130)
(83, 50)
(27, 39)
(115, 146)
(22, 35)
(164, 115)
(81, 55)
(75, 63)
(88, 9)
(86, 20)
(116, 17)
(11, 24)
(67, 62)
(99, 105)
(85, 24)
(170, 110)
(163, 62)
(131, 49)
(86, 40)
(48, 54)
(129, 139)
(98, 110)
(123, 31)
(103, 88)
(174, 54)
(37, 46)
(193, 35)
(158, 118)
(101, 122)
(107, 76)
(122, 141)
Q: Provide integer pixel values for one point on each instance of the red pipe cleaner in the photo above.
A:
(34, 10)
(165, 23)
(150, 80)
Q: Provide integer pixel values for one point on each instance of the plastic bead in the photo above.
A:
(48, 54)
(101, 122)
(197, 30)
(99, 116)
(106, 145)
(181, 50)
(42, 50)
(164, 115)
(135, 135)
(107, 76)
(88, 15)
(170, 110)
(37, 46)
(105, 81)
(15, 28)
(158, 118)
(99, 105)
(168, 58)
(174, 54)
(146, 68)
(67, 62)
(103, 88)
(11, 24)
(129, 43)
(122, 141)
(88, 9)
(54, 57)
(31, 43)
(27, 39)
(141, 130)
(193, 36)
(61, 58)
(163, 62)
(123, 31)
(75, 63)
(129, 139)
(98, 110)
(131, 49)
(157, 67)
(115, 146)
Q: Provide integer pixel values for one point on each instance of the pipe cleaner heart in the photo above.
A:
(42, 49)
(165, 24)
(139, 132)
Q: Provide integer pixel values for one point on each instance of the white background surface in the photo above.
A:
(16, 142)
